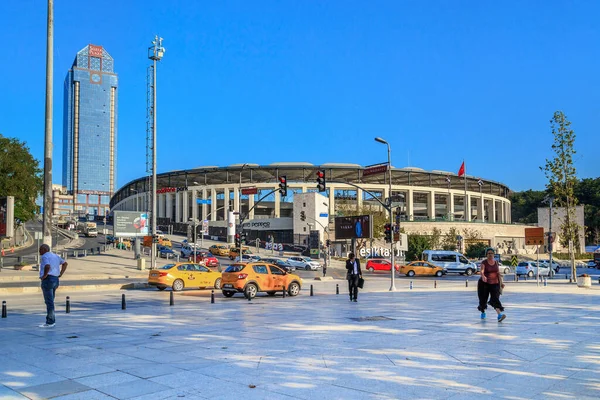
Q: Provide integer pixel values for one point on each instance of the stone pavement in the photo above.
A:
(409, 344)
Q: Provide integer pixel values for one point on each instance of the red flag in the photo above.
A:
(461, 171)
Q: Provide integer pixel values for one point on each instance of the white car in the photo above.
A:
(306, 263)
(530, 269)
(247, 258)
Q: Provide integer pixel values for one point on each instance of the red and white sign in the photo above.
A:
(378, 169)
(250, 190)
(95, 51)
(167, 190)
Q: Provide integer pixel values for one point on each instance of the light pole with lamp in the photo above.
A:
(155, 53)
(389, 208)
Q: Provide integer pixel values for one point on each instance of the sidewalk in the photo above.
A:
(419, 344)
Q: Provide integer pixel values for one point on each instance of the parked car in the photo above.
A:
(252, 278)
(555, 265)
(530, 268)
(235, 251)
(451, 261)
(247, 258)
(165, 252)
(591, 264)
(380, 264)
(219, 250)
(183, 275)
(280, 263)
(422, 268)
(504, 269)
(306, 263)
(204, 257)
(188, 248)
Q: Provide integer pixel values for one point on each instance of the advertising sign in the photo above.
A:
(373, 170)
(534, 236)
(130, 224)
(360, 226)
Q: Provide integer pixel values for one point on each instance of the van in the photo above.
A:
(451, 261)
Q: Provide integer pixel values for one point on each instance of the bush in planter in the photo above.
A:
(584, 276)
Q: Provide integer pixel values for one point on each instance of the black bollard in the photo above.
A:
(98, 250)
(171, 299)
(466, 283)
(435, 284)
(566, 277)
(337, 288)
(68, 310)
(212, 296)
(92, 251)
(283, 290)
(3, 309)
(311, 290)
(123, 303)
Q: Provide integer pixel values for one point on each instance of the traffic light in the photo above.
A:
(321, 184)
(283, 185)
(387, 228)
(302, 216)
(237, 240)
(243, 238)
(328, 242)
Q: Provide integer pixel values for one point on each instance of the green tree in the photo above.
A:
(20, 176)
(476, 250)
(561, 175)
(449, 239)
(436, 236)
(416, 244)
(525, 205)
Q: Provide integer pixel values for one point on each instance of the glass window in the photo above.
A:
(275, 270)
(202, 268)
(463, 260)
(260, 269)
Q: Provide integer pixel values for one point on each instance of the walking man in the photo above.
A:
(52, 267)
(353, 273)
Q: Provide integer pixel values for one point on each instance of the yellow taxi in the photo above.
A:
(163, 241)
(184, 275)
(423, 268)
(254, 277)
(235, 251)
(219, 250)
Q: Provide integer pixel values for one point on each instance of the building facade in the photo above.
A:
(90, 131)
(558, 219)
(62, 202)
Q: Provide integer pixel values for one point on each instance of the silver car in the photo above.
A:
(306, 263)
(530, 269)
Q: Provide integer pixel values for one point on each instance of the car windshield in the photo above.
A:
(307, 259)
(522, 264)
(167, 266)
(235, 268)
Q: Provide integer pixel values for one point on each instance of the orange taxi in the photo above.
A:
(235, 251)
(219, 250)
(423, 268)
(183, 275)
(254, 277)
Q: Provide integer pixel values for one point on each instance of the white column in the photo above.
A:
(250, 205)
(204, 206)
(225, 202)
(169, 205)
(359, 198)
(468, 207)
(451, 206)
(177, 206)
(502, 212)
(186, 207)
(194, 204)
(237, 202)
(493, 210)
(431, 205)
(277, 204)
(213, 204)
(480, 215)
(410, 204)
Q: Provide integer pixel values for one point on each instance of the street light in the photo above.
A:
(155, 53)
(550, 199)
(389, 208)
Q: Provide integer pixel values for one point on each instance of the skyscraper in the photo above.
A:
(90, 131)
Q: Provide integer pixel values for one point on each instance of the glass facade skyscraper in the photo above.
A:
(90, 131)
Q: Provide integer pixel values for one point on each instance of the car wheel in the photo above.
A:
(438, 274)
(530, 274)
(410, 273)
(218, 283)
(271, 293)
(307, 268)
(251, 290)
(506, 271)
(469, 272)
(228, 293)
(371, 269)
(294, 289)
(178, 285)
(161, 287)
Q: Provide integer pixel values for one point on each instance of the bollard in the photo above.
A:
(599, 280)
(516, 278)
(566, 277)
(212, 296)
(98, 250)
(92, 251)
(3, 309)
(171, 299)
(545, 282)
(68, 310)
(311, 290)
(283, 290)
(123, 304)
(570, 280)
(410, 285)
(435, 284)
(85, 253)
(75, 253)
(337, 288)
(466, 283)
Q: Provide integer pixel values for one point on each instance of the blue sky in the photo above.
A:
(315, 81)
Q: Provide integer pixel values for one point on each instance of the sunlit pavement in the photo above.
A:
(423, 343)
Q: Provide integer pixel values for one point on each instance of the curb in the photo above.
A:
(74, 288)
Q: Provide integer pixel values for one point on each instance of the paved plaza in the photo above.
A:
(423, 343)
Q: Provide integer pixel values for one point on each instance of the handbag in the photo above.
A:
(361, 282)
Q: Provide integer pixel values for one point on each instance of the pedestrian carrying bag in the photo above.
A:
(361, 282)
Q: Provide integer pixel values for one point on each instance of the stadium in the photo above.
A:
(424, 200)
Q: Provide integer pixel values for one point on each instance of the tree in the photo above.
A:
(476, 250)
(525, 205)
(20, 176)
(416, 244)
(561, 175)
(436, 236)
(449, 239)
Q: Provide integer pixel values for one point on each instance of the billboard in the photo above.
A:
(360, 226)
(7, 216)
(130, 224)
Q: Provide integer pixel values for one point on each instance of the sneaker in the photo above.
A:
(355, 300)
(483, 315)
(47, 326)
(501, 317)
